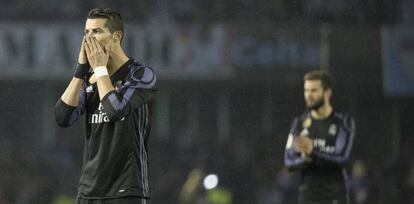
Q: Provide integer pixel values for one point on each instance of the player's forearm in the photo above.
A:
(104, 86)
(294, 160)
(71, 104)
(117, 106)
(71, 94)
(338, 155)
(136, 92)
(323, 157)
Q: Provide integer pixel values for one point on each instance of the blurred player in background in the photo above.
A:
(116, 94)
(319, 144)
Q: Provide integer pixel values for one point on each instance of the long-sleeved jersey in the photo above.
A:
(115, 161)
(323, 175)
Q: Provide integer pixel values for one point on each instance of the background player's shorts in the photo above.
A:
(123, 200)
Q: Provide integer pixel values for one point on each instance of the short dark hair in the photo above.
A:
(323, 76)
(113, 18)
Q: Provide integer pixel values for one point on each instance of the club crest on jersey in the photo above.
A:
(307, 122)
(333, 129)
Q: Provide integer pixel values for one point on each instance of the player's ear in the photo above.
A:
(328, 92)
(117, 36)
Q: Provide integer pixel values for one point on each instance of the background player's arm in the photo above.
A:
(343, 145)
(293, 159)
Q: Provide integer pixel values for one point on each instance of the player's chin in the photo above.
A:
(312, 108)
(310, 105)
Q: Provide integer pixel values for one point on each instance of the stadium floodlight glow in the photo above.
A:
(210, 181)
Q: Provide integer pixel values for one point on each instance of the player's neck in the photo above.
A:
(116, 60)
(322, 112)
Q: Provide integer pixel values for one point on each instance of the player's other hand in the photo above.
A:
(303, 145)
(97, 56)
(82, 54)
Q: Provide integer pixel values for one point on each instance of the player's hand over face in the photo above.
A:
(97, 56)
(82, 54)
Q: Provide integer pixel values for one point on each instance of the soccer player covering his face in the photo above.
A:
(116, 95)
(319, 144)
